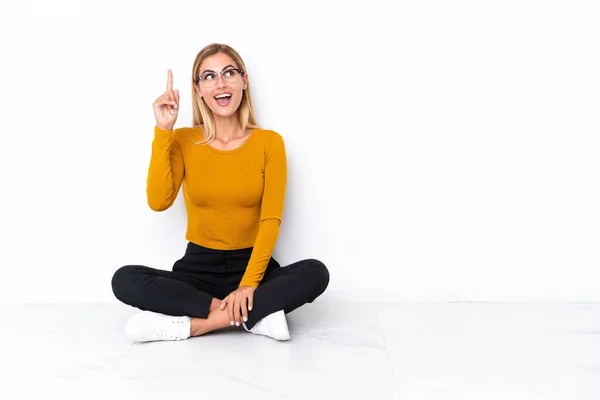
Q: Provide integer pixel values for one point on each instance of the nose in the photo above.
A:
(222, 80)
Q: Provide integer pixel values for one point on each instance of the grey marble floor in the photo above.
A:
(409, 351)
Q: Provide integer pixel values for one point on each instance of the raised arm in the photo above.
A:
(166, 170)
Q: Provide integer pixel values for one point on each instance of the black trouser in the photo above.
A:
(205, 273)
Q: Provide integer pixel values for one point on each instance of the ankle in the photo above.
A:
(216, 320)
(197, 326)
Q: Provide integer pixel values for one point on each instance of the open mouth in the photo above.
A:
(223, 99)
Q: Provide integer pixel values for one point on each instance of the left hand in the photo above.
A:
(236, 301)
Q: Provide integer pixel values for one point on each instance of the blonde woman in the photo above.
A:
(234, 177)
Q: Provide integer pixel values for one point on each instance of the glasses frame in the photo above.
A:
(239, 70)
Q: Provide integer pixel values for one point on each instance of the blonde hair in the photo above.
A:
(202, 113)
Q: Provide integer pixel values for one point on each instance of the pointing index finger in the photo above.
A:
(170, 81)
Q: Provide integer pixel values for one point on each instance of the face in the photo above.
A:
(214, 84)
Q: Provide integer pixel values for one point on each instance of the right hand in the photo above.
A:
(166, 106)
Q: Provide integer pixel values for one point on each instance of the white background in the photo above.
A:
(437, 150)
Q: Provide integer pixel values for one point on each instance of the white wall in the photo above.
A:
(438, 151)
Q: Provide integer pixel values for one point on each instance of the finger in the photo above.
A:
(172, 103)
(224, 303)
(175, 96)
(161, 105)
(250, 301)
(230, 312)
(241, 306)
(162, 100)
(244, 309)
(169, 81)
(236, 312)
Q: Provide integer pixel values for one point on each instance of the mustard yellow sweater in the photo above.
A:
(234, 198)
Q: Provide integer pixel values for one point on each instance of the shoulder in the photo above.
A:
(272, 144)
(271, 141)
(187, 134)
(269, 136)
(186, 129)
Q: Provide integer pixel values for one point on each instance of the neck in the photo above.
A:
(227, 128)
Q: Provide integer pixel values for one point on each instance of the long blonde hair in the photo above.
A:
(202, 113)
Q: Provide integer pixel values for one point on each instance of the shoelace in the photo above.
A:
(169, 330)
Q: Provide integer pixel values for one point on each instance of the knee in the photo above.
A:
(121, 281)
(320, 274)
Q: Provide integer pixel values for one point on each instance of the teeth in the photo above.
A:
(222, 96)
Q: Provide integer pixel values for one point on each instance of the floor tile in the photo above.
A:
(494, 351)
(79, 351)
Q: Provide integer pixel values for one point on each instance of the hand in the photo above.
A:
(166, 106)
(236, 301)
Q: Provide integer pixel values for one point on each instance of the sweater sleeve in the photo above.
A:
(275, 178)
(166, 170)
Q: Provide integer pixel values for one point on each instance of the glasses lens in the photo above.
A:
(230, 75)
(208, 79)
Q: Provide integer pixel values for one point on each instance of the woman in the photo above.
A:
(234, 178)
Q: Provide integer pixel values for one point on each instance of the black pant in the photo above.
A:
(205, 273)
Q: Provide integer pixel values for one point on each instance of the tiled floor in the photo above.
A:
(409, 351)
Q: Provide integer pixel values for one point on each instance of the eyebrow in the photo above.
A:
(210, 70)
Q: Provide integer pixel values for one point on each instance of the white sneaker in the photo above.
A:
(148, 326)
(273, 325)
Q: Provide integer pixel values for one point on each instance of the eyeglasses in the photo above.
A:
(209, 78)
